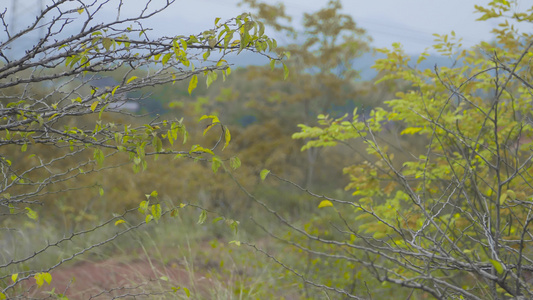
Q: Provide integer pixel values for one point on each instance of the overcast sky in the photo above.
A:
(410, 22)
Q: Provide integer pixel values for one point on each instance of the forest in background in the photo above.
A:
(414, 184)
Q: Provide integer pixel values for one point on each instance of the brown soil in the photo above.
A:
(137, 279)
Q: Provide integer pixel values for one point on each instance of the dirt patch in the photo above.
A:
(134, 279)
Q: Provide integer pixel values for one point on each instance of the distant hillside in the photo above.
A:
(364, 63)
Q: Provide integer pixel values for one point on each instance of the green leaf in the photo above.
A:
(272, 64)
(264, 173)
(2, 296)
(102, 110)
(203, 217)
(234, 225)
(143, 207)
(285, 71)
(101, 191)
(107, 43)
(325, 203)
(503, 197)
(14, 277)
(157, 143)
(148, 218)
(235, 162)
(193, 83)
(166, 58)
(197, 148)
(154, 194)
(99, 156)
(174, 213)
(206, 54)
(379, 235)
(187, 292)
(237, 243)
(24, 147)
(497, 265)
(156, 212)
(211, 77)
(261, 29)
(119, 222)
(215, 164)
(31, 214)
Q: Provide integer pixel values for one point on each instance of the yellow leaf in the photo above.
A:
(53, 116)
(31, 214)
(227, 137)
(325, 203)
(39, 279)
(14, 277)
(264, 174)
(193, 83)
(2, 296)
(148, 218)
(214, 118)
(411, 130)
(119, 222)
(131, 79)
(197, 148)
(47, 277)
(94, 105)
(114, 90)
(208, 127)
